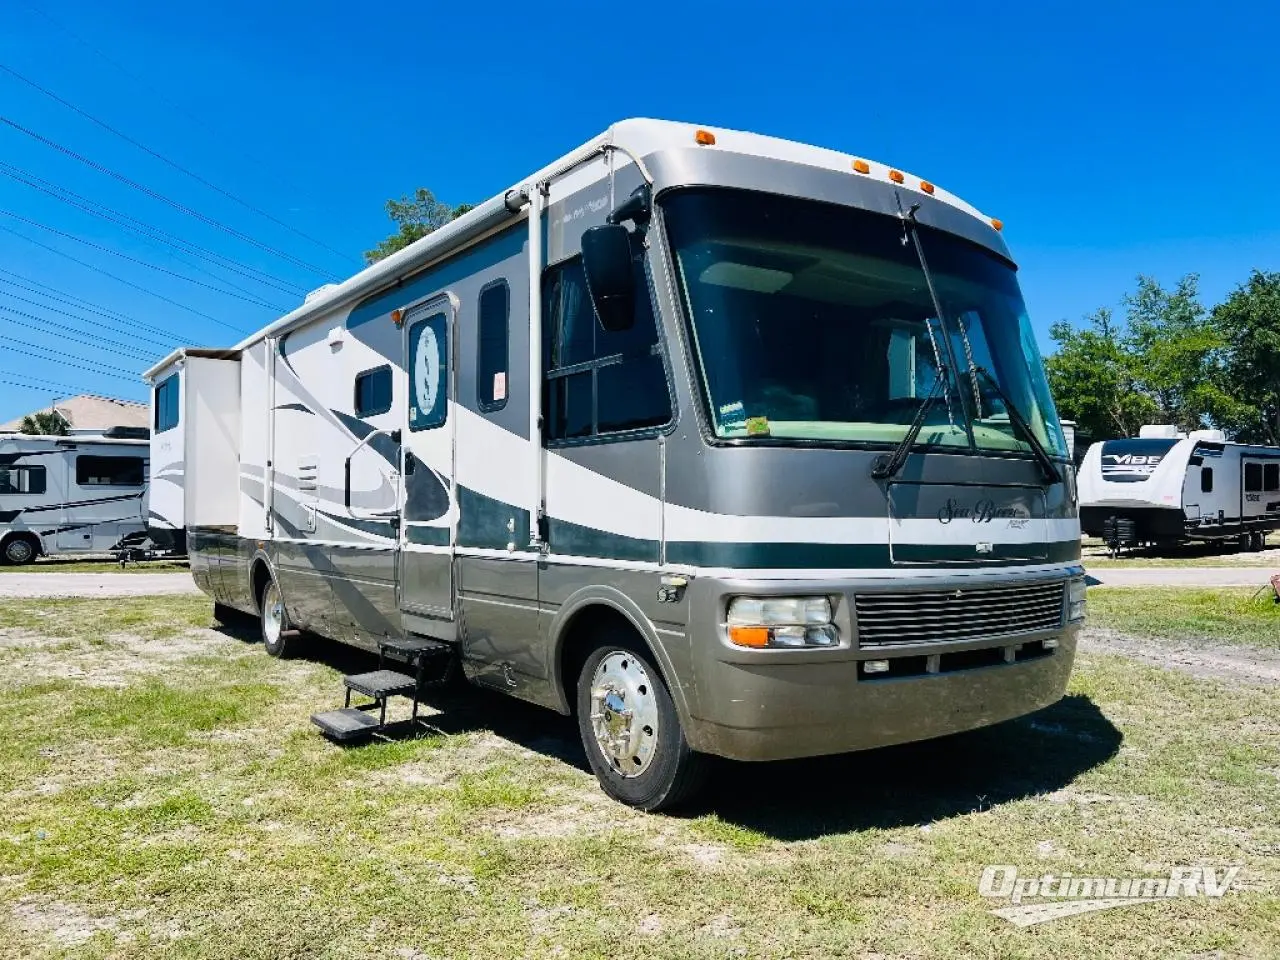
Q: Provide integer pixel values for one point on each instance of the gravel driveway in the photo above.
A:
(94, 584)
(1181, 576)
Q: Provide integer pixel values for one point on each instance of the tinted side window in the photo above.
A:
(1206, 479)
(429, 372)
(1272, 480)
(373, 392)
(1252, 476)
(109, 471)
(495, 315)
(599, 382)
(165, 404)
(20, 480)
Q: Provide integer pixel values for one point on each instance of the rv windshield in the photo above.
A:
(813, 322)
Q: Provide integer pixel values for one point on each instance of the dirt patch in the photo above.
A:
(113, 661)
(1201, 659)
(64, 923)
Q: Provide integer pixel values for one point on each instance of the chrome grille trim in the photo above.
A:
(908, 618)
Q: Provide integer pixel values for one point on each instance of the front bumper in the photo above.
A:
(779, 704)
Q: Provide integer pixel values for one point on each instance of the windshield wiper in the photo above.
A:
(1020, 424)
(888, 467)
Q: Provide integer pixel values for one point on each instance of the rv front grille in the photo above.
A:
(949, 616)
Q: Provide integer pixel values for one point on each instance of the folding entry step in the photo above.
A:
(416, 653)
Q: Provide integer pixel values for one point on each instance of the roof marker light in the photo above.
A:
(705, 137)
(896, 176)
(926, 186)
(397, 317)
(861, 166)
(998, 224)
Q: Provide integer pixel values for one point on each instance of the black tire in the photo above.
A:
(675, 773)
(274, 620)
(20, 549)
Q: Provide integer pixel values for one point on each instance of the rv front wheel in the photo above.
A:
(20, 549)
(631, 730)
(275, 622)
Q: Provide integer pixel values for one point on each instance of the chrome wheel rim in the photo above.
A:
(19, 551)
(624, 713)
(272, 614)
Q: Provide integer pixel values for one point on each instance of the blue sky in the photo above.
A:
(1111, 138)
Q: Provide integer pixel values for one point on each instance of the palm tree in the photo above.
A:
(45, 422)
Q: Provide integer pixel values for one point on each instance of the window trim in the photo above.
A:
(660, 347)
(119, 486)
(495, 405)
(155, 400)
(30, 469)
(355, 392)
(444, 311)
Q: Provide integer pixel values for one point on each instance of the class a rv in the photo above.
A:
(724, 444)
(1168, 487)
(62, 496)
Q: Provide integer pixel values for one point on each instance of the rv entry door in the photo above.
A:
(427, 533)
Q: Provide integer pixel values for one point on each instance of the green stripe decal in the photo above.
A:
(574, 540)
(428, 536)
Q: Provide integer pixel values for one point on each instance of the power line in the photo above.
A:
(70, 333)
(33, 384)
(177, 166)
(104, 314)
(142, 228)
(106, 371)
(67, 151)
(127, 283)
(151, 266)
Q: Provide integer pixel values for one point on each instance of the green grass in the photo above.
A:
(1237, 615)
(1095, 555)
(107, 565)
(156, 617)
(168, 799)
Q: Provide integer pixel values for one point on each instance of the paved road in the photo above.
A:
(94, 584)
(1181, 576)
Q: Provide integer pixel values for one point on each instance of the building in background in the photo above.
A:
(90, 415)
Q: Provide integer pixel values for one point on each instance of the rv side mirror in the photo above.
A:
(606, 260)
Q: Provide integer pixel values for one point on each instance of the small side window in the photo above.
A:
(22, 480)
(373, 392)
(1206, 479)
(492, 373)
(109, 471)
(1252, 477)
(1272, 480)
(165, 404)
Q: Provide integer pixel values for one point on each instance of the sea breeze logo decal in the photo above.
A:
(983, 511)
(1131, 463)
(1069, 896)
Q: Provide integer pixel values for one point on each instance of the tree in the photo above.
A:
(1095, 380)
(45, 422)
(1249, 321)
(415, 217)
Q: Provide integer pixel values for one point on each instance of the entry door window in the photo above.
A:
(429, 372)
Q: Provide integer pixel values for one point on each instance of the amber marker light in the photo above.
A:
(998, 224)
(927, 187)
(749, 636)
(397, 317)
(896, 176)
(705, 137)
(861, 166)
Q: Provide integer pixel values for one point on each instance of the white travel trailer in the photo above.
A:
(70, 495)
(1167, 487)
(725, 444)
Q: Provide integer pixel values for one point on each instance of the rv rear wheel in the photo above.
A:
(20, 549)
(631, 730)
(275, 621)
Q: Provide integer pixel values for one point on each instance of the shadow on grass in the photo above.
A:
(912, 784)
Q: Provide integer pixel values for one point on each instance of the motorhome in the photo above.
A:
(1166, 487)
(722, 443)
(63, 496)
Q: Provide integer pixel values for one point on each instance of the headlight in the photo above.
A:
(782, 622)
(1076, 600)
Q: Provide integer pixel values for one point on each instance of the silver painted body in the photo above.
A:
(441, 536)
(77, 511)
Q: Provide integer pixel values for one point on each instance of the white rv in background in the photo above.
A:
(66, 495)
(1167, 487)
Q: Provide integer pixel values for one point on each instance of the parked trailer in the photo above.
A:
(62, 496)
(726, 444)
(1167, 487)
